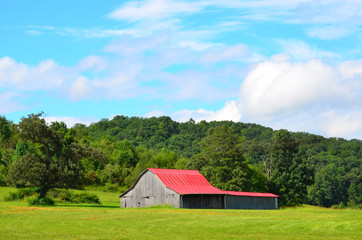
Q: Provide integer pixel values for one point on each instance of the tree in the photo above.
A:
(5, 131)
(125, 154)
(52, 162)
(291, 173)
(222, 162)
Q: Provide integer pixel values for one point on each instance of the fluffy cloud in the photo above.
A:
(81, 88)
(230, 111)
(282, 87)
(300, 51)
(330, 32)
(161, 9)
(70, 121)
(152, 9)
(238, 52)
(351, 69)
(342, 124)
(305, 96)
(9, 102)
(46, 75)
(300, 96)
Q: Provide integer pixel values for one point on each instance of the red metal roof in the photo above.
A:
(185, 181)
(193, 182)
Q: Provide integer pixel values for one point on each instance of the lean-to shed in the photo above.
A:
(189, 189)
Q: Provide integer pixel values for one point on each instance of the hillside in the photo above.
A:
(328, 170)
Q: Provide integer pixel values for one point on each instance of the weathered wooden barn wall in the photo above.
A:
(149, 191)
(246, 202)
(203, 201)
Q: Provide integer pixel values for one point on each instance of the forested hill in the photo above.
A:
(298, 166)
(184, 138)
(163, 132)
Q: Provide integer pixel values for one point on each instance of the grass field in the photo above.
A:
(108, 221)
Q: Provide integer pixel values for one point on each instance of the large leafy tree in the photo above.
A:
(52, 159)
(5, 131)
(290, 172)
(223, 164)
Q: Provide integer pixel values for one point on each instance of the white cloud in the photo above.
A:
(300, 51)
(153, 9)
(92, 62)
(82, 32)
(305, 96)
(351, 69)
(330, 32)
(9, 102)
(70, 121)
(47, 75)
(155, 113)
(273, 88)
(230, 111)
(329, 12)
(161, 9)
(199, 46)
(237, 52)
(300, 96)
(327, 19)
(342, 124)
(81, 88)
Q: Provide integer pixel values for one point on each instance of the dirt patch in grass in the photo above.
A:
(28, 209)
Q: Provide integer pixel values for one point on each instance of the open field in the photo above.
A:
(19, 221)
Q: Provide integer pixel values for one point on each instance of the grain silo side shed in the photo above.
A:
(189, 189)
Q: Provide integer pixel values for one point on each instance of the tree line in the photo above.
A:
(298, 166)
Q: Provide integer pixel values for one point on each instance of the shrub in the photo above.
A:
(109, 187)
(20, 194)
(334, 206)
(86, 198)
(35, 200)
(66, 196)
(341, 205)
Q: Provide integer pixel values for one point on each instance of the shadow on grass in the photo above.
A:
(86, 205)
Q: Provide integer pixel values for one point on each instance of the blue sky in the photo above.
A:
(293, 64)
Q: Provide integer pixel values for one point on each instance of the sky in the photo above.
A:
(293, 65)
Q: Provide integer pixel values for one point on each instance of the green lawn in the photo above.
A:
(19, 221)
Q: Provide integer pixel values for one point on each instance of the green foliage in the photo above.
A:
(40, 201)
(5, 131)
(125, 154)
(21, 149)
(87, 198)
(20, 194)
(291, 172)
(67, 196)
(341, 206)
(337, 182)
(53, 162)
(111, 154)
(222, 163)
(109, 187)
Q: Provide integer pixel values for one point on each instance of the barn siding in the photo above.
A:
(203, 201)
(244, 202)
(149, 191)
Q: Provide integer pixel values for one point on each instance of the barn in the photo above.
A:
(189, 189)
